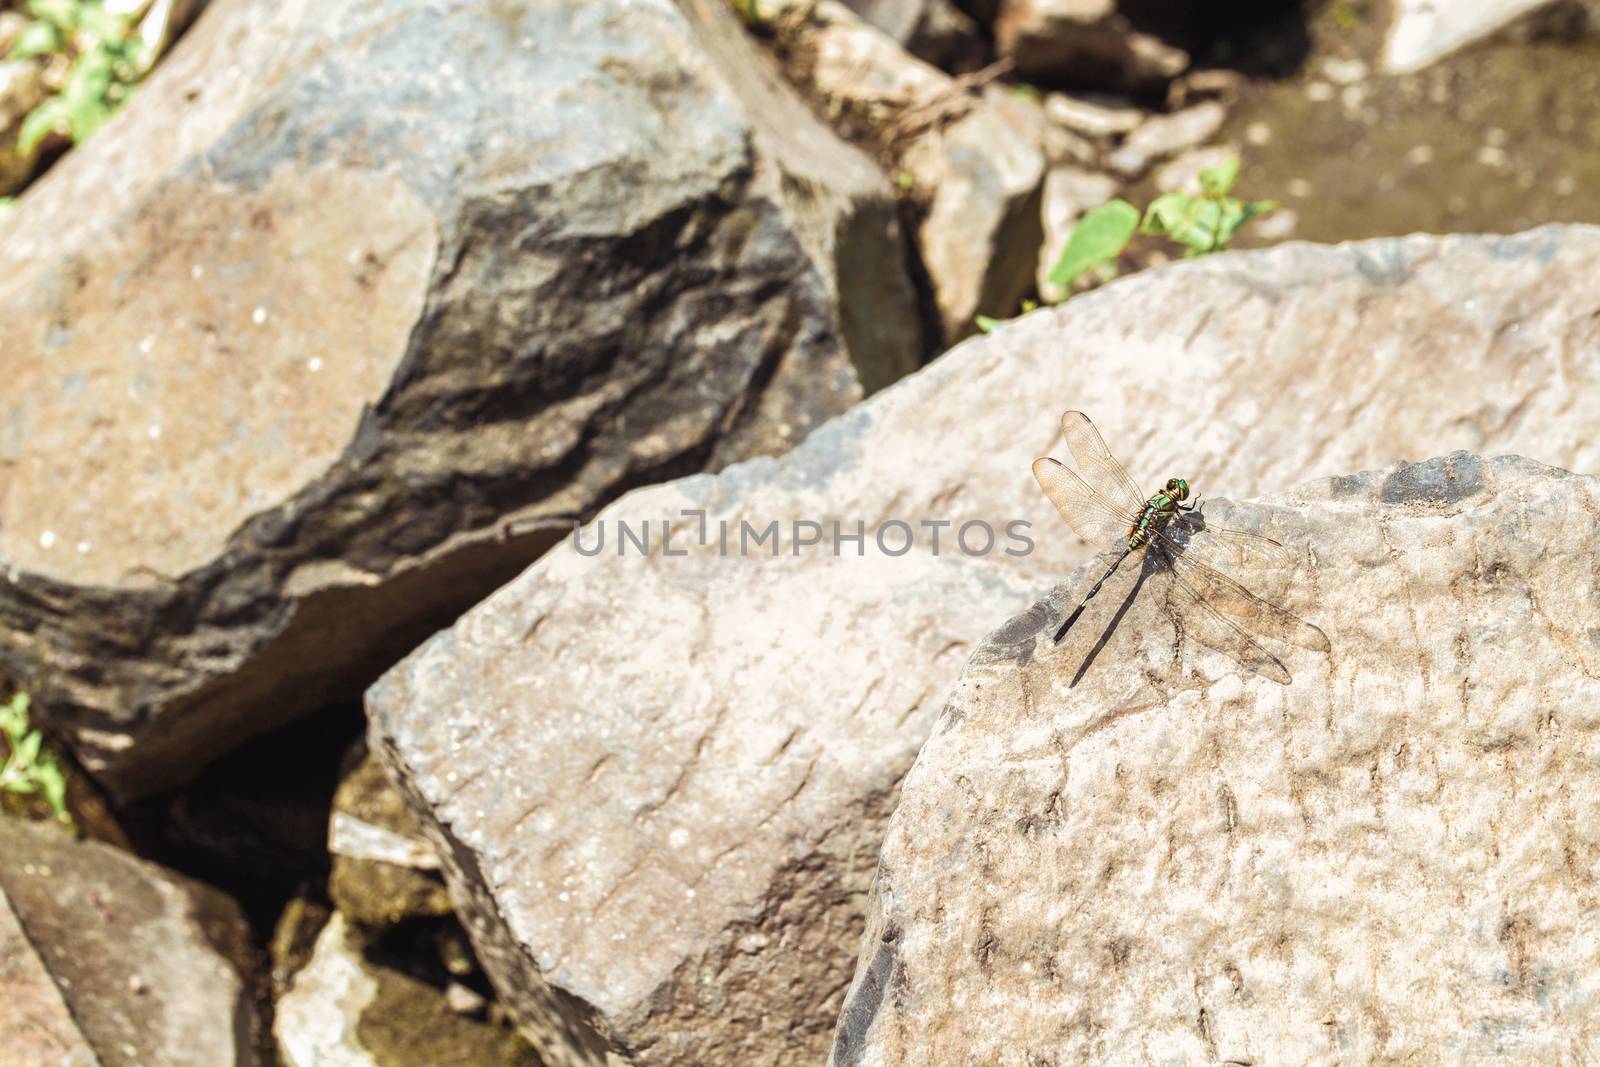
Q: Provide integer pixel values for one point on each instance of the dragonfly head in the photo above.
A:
(1178, 489)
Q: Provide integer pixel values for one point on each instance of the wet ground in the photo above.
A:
(1499, 138)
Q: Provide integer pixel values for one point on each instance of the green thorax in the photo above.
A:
(1157, 512)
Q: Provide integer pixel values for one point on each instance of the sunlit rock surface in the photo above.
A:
(1179, 861)
(658, 782)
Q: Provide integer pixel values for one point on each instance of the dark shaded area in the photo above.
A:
(255, 823)
(849, 1042)
(1258, 38)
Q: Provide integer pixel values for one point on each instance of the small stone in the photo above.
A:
(1490, 156)
(1298, 187)
(1092, 119)
(1420, 155)
(1344, 71)
(463, 1000)
(1319, 92)
(1184, 172)
(1258, 133)
(1277, 225)
(1166, 135)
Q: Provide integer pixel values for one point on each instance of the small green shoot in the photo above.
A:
(30, 768)
(1205, 222)
(987, 325)
(1202, 222)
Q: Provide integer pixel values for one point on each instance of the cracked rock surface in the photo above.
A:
(350, 306)
(658, 783)
(1177, 861)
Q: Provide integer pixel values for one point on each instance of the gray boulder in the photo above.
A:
(658, 782)
(1388, 860)
(373, 279)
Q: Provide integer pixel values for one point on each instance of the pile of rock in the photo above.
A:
(356, 344)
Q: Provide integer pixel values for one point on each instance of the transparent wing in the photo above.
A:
(1220, 632)
(1230, 550)
(1098, 466)
(1092, 516)
(1230, 598)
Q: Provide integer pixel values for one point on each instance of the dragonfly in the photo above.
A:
(1103, 505)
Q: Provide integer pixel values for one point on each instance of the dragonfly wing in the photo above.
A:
(1230, 598)
(1108, 477)
(1219, 631)
(1094, 518)
(1229, 549)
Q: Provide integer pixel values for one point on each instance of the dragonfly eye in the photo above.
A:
(1178, 488)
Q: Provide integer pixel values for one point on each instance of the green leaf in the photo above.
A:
(1192, 221)
(49, 117)
(1098, 238)
(85, 94)
(985, 324)
(1245, 214)
(1220, 178)
(38, 38)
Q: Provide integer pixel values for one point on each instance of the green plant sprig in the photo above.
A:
(30, 768)
(108, 60)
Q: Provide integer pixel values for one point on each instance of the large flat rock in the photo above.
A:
(345, 304)
(1178, 861)
(658, 782)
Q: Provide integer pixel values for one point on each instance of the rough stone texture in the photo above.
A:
(1167, 135)
(1069, 192)
(1421, 31)
(145, 961)
(36, 1028)
(975, 172)
(342, 1010)
(981, 230)
(384, 872)
(608, 734)
(349, 305)
(1390, 860)
(1085, 42)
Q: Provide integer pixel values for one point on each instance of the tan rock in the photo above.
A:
(1167, 135)
(658, 783)
(270, 407)
(344, 1010)
(147, 963)
(974, 167)
(37, 1028)
(1089, 118)
(1388, 860)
